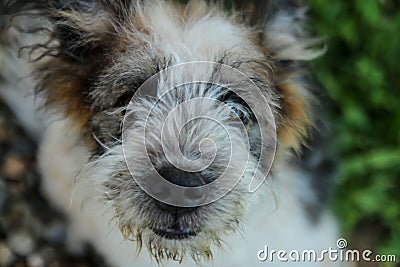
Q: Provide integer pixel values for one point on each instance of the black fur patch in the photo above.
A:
(318, 163)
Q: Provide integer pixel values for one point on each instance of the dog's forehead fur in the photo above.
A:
(163, 35)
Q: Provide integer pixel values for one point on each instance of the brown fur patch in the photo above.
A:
(296, 121)
(64, 87)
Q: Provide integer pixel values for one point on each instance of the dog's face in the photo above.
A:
(124, 74)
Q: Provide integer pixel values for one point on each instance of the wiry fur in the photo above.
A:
(99, 52)
(90, 36)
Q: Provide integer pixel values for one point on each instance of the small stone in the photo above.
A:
(6, 255)
(18, 215)
(21, 243)
(14, 168)
(36, 260)
(49, 253)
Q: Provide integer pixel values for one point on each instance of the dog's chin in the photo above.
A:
(177, 229)
(174, 240)
(169, 234)
(173, 243)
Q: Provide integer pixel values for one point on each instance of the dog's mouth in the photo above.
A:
(176, 223)
(175, 233)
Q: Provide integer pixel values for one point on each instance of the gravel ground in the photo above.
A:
(32, 233)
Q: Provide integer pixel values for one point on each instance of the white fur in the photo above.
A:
(280, 223)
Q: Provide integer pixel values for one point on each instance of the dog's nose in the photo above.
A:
(186, 179)
(182, 178)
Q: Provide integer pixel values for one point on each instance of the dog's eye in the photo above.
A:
(124, 99)
(242, 114)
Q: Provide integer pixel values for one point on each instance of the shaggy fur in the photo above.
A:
(93, 57)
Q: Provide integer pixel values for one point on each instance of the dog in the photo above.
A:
(176, 127)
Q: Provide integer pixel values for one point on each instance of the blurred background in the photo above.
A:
(360, 76)
(360, 73)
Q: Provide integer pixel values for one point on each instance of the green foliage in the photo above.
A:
(361, 73)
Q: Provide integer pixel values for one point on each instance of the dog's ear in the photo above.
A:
(288, 44)
(75, 44)
(80, 27)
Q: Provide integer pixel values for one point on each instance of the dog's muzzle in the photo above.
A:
(185, 179)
